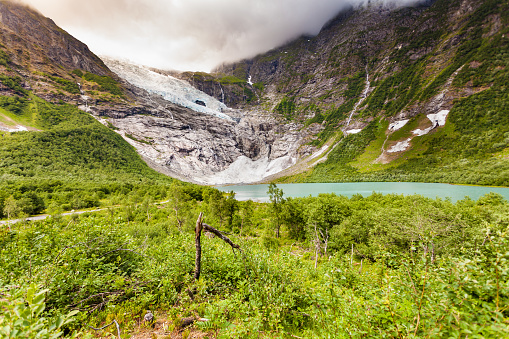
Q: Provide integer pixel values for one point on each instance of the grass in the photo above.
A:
(364, 162)
(5, 119)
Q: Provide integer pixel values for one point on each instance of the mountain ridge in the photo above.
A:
(414, 57)
(321, 105)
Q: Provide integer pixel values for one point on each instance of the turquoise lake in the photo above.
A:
(443, 191)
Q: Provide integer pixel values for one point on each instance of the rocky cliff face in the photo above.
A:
(327, 70)
(203, 147)
(36, 43)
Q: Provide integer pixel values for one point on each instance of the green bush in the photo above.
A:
(106, 83)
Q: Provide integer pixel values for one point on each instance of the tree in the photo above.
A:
(177, 201)
(276, 199)
(293, 217)
(11, 208)
(215, 200)
(247, 213)
(231, 206)
(324, 213)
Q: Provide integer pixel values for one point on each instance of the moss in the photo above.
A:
(136, 139)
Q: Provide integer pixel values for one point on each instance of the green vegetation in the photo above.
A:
(286, 108)
(231, 80)
(14, 83)
(106, 84)
(78, 73)
(5, 60)
(133, 137)
(259, 86)
(66, 85)
(14, 104)
(75, 162)
(390, 266)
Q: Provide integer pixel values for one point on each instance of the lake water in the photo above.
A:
(454, 192)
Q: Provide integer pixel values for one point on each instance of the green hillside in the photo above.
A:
(72, 161)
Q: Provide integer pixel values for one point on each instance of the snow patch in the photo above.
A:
(354, 131)
(420, 132)
(250, 83)
(400, 146)
(397, 125)
(85, 108)
(245, 170)
(17, 128)
(437, 119)
(177, 91)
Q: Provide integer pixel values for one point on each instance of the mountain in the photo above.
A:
(50, 80)
(381, 93)
(376, 77)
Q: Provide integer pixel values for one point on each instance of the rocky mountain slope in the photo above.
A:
(382, 93)
(211, 143)
(375, 75)
(176, 128)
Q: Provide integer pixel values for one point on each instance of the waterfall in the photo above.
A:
(222, 92)
(361, 100)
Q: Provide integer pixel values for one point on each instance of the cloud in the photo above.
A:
(190, 34)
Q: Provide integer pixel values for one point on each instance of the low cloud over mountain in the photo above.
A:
(191, 34)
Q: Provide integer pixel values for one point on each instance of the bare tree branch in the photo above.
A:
(221, 235)
(101, 328)
(197, 263)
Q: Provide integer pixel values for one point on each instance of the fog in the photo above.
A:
(190, 34)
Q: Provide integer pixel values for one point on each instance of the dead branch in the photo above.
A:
(78, 244)
(184, 322)
(197, 239)
(221, 235)
(101, 328)
(105, 297)
(200, 225)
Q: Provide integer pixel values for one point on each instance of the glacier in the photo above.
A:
(174, 90)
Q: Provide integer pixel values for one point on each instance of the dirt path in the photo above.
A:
(44, 216)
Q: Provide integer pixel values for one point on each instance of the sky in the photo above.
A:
(194, 35)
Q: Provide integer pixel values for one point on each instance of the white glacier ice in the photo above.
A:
(177, 91)
(245, 170)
